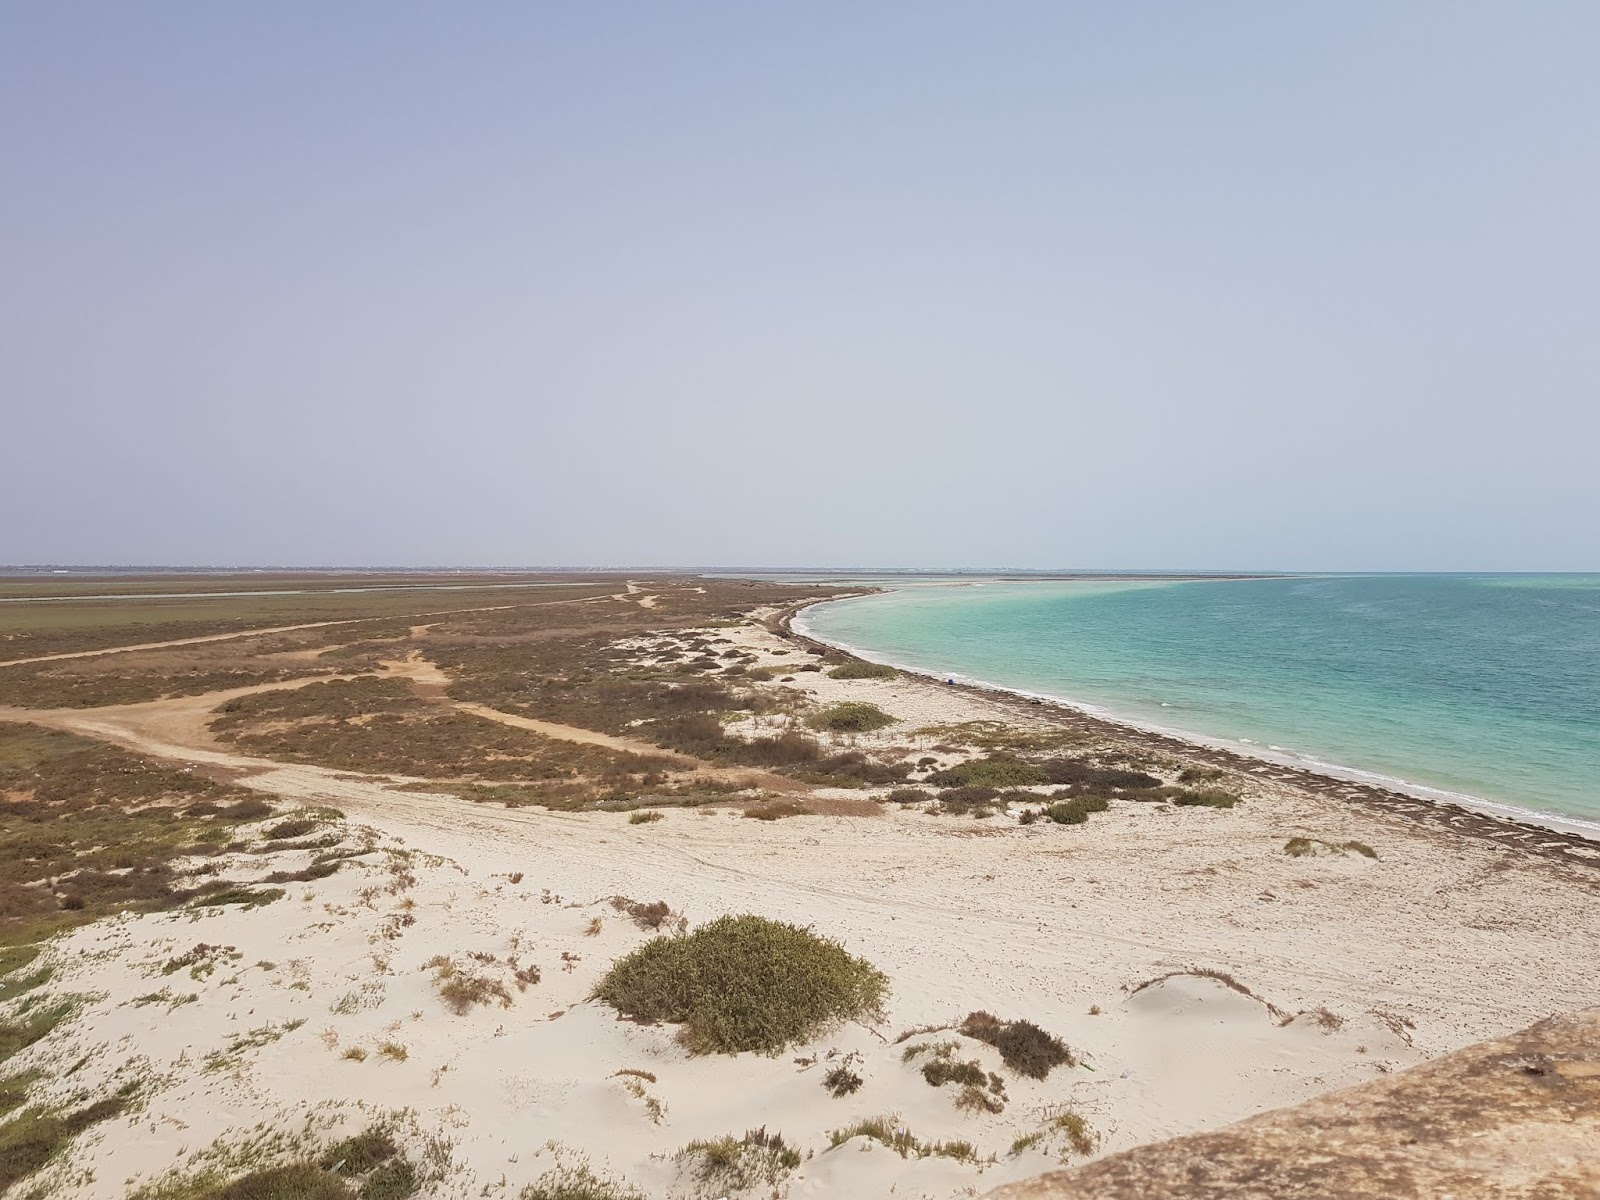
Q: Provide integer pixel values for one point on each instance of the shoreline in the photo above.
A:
(1396, 795)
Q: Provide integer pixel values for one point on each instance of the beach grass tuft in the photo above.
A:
(730, 1164)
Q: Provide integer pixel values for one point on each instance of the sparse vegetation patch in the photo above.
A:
(1024, 1047)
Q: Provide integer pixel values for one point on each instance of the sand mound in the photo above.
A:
(1518, 1117)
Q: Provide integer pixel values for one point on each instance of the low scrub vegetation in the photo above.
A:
(34, 1137)
(842, 1081)
(1076, 810)
(1206, 798)
(980, 1090)
(852, 716)
(908, 795)
(777, 809)
(381, 725)
(88, 829)
(996, 771)
(744, 983)
(860, 669)
(1024, 1047)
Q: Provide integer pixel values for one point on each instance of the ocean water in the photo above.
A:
(1485, 686)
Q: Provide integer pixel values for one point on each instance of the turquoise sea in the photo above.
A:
(1485, 686)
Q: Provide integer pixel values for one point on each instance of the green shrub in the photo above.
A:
(1024, 1047)
(744, 983)
(1297, 847)
(1090, 804)
(859, 669)
(1067, 812)
(853, 716)
(996, 771)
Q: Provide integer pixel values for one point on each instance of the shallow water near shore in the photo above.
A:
(1486, 686)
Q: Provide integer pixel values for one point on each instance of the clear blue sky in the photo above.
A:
(1094, 285)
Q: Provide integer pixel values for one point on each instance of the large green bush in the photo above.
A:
(857, 669)
(744, 983)
(853, 716)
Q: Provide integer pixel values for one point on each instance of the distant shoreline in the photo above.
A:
(1458, 812)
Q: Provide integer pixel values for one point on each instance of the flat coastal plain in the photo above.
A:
(324, 880)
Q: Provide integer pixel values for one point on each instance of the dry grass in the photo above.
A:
(728, 1164)
(889, 1131)
(88, 829)
(774, 810)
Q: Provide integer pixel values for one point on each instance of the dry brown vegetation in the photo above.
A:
(87, 829)
(381, 725)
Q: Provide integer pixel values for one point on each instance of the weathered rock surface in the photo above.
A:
(1517, 1118)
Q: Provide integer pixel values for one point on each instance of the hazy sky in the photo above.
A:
(1053, 284)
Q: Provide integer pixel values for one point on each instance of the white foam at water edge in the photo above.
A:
(1273, 754)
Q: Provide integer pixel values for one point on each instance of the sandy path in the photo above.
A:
(244, 633)
(193, 641)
